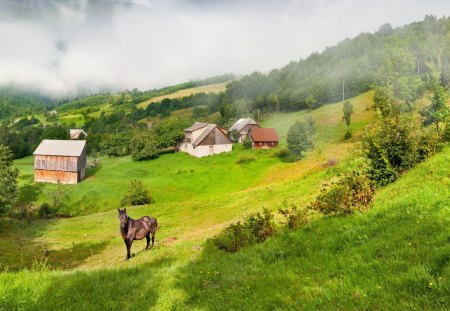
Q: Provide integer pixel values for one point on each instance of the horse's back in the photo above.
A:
(152, 222)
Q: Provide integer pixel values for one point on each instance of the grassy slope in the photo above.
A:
(396, 256)
(357, 254)
(211, 88)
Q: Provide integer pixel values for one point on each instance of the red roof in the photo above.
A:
(264, 134)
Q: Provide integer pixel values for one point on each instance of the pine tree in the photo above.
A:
(8, 180)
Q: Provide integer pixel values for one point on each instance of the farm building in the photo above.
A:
(263, 138)
(76, 133)
(61, 161)
(204, 139)
(241, 127)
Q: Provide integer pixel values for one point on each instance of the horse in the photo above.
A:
(131, 229)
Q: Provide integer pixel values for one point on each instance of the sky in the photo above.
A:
(68, 47)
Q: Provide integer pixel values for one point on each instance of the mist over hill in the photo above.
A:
(63, 48)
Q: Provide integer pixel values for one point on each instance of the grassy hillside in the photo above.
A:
(211, 88)
(395, 256)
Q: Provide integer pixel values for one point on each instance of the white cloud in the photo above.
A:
(61, 49)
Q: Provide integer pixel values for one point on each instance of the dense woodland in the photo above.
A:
(397, 62)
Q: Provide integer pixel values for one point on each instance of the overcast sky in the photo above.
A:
(63, 47)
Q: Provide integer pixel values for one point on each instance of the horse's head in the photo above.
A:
(123, 217)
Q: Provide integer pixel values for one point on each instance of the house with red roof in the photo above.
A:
(263, 138)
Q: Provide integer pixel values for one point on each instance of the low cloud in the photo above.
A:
(87, 46)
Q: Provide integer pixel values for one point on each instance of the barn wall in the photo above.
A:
(55, 176)
(265, 145)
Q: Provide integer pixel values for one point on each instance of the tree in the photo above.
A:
(144, 146)
(348, 111)
(8, 180)
(137, 194)
(299, 138)
(438, 110)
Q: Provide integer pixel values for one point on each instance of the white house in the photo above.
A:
(204, 139)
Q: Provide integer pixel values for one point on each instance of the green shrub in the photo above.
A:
(248, 144)
(294, 218)
(137, 194)
(352, 192)
(348, 134)
(255, 228)
(233, 238)
(245, 159)
(46, 211)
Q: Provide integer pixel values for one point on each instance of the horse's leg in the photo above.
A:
(153, 238)
(127, 243)
(148, 240)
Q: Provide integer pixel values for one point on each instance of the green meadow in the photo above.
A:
(395, 256)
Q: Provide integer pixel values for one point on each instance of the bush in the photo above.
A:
(348, 134)
(352, 192)
(248, 144)
(46, 211)
(256, 228)
(137, 194)
(294, 218)
(245, 159)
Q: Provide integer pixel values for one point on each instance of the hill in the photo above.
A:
(395, 256)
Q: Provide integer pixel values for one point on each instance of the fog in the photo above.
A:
(66, 47)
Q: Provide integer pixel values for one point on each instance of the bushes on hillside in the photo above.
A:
(245, 159)
(352, 192)
(255, 228)
(294, 217)
(137, 194)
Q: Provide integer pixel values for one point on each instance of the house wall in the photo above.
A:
(204, 150)
(265, 145)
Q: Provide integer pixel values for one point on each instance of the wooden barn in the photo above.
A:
(61, 161)
(204, 139)
(263, 138)
(242, 127)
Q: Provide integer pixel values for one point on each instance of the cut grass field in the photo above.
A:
(211, 88)
(396, 256)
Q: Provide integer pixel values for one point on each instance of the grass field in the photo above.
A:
(211, 88)
(383, 259)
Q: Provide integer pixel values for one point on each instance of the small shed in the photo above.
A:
(242, 127)
(76, 133)
(61, 161)
(264, 138)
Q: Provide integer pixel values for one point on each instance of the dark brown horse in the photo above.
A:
(136, 229)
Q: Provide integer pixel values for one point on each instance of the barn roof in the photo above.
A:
(264, 134)
(196, 126)
(240, 124)
(67, 148)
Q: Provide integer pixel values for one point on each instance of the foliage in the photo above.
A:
(8, 180)
(58, 196)
(144, 146)
(353, 191)
(116, 145)
(299, 138)
(245, 159)
(137, 194)
(248, 144)
(438, 111)
(169, 132)
(347, 111)
(255, 228)
(46, 211)
(294, 217)
(393, 146)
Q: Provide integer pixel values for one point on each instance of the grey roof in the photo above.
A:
(67, 148)
(204, 133)
(196, 126)
(240, 124)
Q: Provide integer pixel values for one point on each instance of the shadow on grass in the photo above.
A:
(29, 193)
(131, 288)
